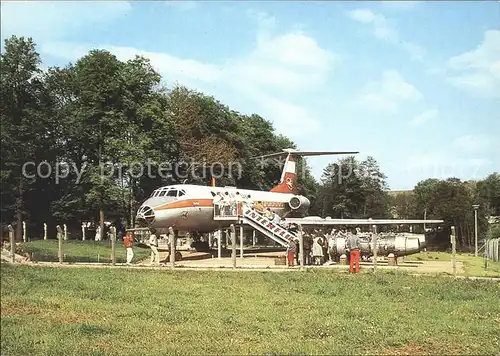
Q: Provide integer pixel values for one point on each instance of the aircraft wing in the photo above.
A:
(303, 221)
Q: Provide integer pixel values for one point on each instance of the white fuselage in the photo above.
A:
(191, 207)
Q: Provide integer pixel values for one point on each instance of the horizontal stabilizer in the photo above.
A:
(306, 153)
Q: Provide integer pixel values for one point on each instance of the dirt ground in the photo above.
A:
(265, 261)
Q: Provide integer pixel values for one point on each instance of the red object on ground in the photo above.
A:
(354, 259)
(291, 258)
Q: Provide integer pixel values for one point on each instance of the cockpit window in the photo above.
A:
(157, 192)
(181, 193)
(162, 193)
(172, 193)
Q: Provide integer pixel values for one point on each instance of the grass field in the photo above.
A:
(92, 251)
(81, 251)
(64, 311)
(473, 266)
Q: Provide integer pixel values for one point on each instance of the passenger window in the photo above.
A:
(181, 193)
(172, 193)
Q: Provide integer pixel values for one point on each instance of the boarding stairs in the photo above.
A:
(266, 226)
(243, 214)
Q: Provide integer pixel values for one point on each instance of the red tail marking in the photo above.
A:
(289, 179)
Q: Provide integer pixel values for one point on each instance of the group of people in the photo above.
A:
(317, 247)
(128, 241)
(226, 204)
(271, 215)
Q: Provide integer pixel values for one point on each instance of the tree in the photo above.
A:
(450, 200)
(204, 130)
(488, 191)
(403, 206)
(374, 187)
(341, 193)
(352, 189)
(22, 130)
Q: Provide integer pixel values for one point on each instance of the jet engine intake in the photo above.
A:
(145, 215)
(299, 203)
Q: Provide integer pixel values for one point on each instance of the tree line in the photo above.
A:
(75, 141)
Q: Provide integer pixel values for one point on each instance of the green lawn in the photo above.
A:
(69, 311)
(474, 266)
(81, 251)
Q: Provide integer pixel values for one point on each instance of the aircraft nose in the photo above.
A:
(146, 214)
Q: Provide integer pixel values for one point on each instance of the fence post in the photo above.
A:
(454, 250)
(241, 241)
(113, 244)
(375, 248)
(83, 232)
(12, 244)
(219, 242)
(233, 240)
(60, 238)
(301, 247)
(172, 249)
(44, 231)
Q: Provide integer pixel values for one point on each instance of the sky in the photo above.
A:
(416, 84)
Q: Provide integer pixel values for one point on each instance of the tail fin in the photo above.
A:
(288, 181)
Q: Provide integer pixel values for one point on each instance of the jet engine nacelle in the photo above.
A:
(299, 203)
(399, 245)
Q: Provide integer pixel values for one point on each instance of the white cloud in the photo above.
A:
(183, 5)
(163, 62)
(472, 143)
(386, 95)
(443, 165)
(400, 5)
(416, 52)
(424, 117)
(384, 30)
(265, 22)
(381, 28)
(478, 71)
(294, 49)
(288, 63)
(43, 19)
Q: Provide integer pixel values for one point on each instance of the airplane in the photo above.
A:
(190, 208)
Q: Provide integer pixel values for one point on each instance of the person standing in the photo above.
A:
(297, 253)
(153, 244)
(129, 243)
(291, 249)
(276, 218)
(307, 249)
(353, 244)
(217, 201)
(317, 251)
(98, 233)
